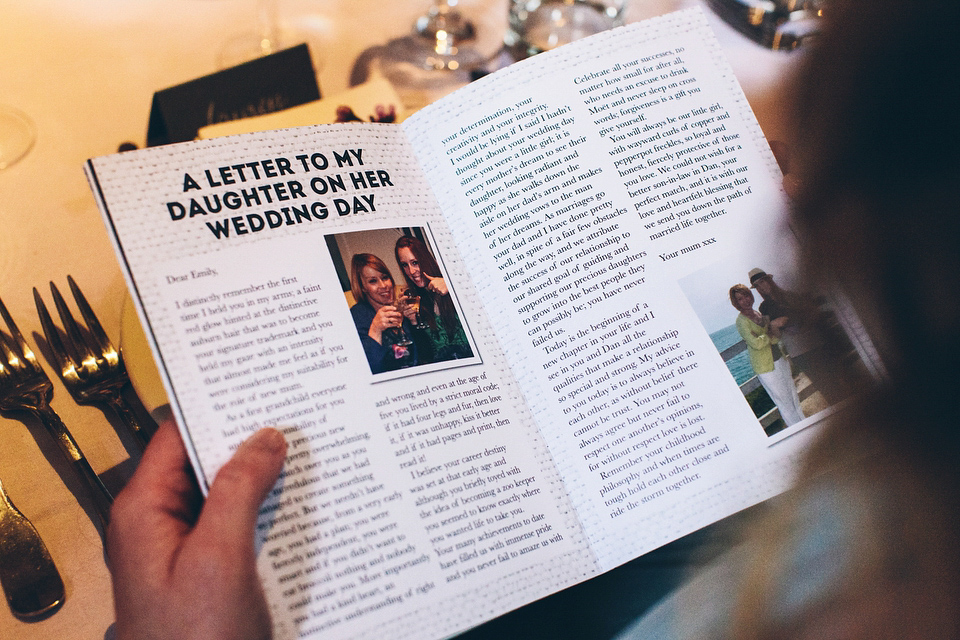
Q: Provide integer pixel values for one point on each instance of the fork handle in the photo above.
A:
(30, 579)
(99, 494)
(141, 431)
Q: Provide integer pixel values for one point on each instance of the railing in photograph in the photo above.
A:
(751, 385)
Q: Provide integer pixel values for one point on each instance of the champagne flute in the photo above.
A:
(412, 300)
(17, 135)
(399, 337)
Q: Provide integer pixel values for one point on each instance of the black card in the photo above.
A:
(271, 83)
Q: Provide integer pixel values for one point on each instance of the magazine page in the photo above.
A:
(612, 192)
(305, 279)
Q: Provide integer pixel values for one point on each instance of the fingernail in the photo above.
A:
(267, 440)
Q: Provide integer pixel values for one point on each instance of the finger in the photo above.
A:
(164, 454)
(239, 488)
(437, 285)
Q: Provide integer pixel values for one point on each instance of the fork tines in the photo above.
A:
(18, 354)
(90, 366)
(77, 353)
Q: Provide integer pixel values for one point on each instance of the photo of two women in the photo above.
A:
(405, 320)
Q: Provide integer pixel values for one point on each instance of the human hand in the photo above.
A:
(409, 310)
(184, 568)
(437, 285)
(779, 323)
(387, 317)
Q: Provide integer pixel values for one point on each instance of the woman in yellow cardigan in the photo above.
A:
(773, 371)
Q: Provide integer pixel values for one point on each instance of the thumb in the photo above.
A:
(241, 486)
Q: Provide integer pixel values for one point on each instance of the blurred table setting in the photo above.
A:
(85, 74)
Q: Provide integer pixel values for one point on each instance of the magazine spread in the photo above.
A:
(498, 337)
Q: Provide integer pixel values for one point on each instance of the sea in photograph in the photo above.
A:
(739, 365)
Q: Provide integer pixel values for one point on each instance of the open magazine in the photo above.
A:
(498, 337)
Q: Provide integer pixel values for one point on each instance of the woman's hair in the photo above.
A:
(878, 166)
(359, 261)
(738, 288)
(429, 266)
(427, 262)
(877, 160)
(877, 208)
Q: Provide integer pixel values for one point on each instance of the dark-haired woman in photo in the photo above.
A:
(443, 337)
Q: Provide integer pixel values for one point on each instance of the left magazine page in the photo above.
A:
(282, 279)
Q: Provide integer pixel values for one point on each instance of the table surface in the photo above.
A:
(85, 73)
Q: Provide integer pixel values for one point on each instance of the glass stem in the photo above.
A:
(267, 26)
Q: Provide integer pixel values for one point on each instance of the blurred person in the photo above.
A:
(762, 337)
(806, 336)
(867, 544)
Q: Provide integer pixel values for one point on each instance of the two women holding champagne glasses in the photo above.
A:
(417, 325)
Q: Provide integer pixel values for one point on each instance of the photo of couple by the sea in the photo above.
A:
(406, 321)
(782, 345)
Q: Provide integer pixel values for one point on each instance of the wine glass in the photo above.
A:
(266, 38)
(17, 135)
(395, 338)
(412, 301)
(397, 335)
(441, 52)
(445, 39)
(262, 41)
(539, 25)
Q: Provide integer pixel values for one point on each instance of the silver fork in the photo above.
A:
(90, 367)
(25, 387)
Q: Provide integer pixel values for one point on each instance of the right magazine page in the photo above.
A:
(622, 218)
